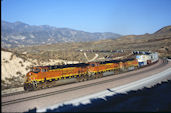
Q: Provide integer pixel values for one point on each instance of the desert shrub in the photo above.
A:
(3, 81)
(12, 82)
(26, 68)
(11, 57)
(23, 75)
(9, 79)
(24, 60)
(18, 73)
(6, 61)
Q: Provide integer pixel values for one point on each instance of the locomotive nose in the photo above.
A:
(27, 77)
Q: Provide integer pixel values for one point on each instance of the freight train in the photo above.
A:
(47, 76)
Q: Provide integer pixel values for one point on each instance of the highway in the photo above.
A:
(51, 96)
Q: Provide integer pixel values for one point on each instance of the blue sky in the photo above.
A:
(118, 16)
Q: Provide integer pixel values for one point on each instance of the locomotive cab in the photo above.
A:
(34, 73)
(35, 69)
(44, 69)
(93, 67)
(33, 77)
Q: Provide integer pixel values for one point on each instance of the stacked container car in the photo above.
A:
(154, 57)
(147, 58)
(143, 59)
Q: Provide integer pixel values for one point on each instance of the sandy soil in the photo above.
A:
(13, 66)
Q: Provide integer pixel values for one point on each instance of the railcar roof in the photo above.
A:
(68, 65)
(84, 64)
(111, 61)
(130, 59)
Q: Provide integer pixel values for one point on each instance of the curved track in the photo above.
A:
(22, 92)
(6, 103)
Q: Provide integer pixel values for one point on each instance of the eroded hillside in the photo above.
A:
(14, 67)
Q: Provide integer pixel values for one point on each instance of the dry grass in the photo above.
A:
(12, 82)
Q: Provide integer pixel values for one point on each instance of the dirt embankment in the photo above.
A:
(15, 66)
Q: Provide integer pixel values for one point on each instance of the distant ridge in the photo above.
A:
(21, 34)
(166, 29)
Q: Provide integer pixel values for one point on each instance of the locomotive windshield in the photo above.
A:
(35, 70)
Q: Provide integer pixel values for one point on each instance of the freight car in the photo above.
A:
(48, 76)
(147, 58)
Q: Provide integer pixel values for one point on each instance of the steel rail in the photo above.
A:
(22, 92)
(77, 87)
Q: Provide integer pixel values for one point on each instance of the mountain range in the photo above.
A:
(19, 34)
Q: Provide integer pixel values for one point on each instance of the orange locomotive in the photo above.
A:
(40, 76)
(47, 76)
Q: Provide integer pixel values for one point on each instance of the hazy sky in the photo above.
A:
(118, 16)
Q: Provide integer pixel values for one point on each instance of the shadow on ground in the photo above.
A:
(152, 99)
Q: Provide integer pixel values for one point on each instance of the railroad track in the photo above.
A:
(22, 92)
(77, 87)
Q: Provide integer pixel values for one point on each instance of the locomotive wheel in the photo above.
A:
(96, 76)
(48, 84)
(86, 78)
(34, 85)
(44, 85)
(51, 83)
(89, 77)
(29, 87)
(136, 68)
(83, 78)
(116, 72)
(26, 87)
(101, 75)
(41, 85)
(78, 79)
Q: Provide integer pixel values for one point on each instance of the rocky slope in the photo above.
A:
(15, 66)
(159, 41)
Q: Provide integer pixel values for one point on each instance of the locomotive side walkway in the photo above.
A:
(90, 88)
